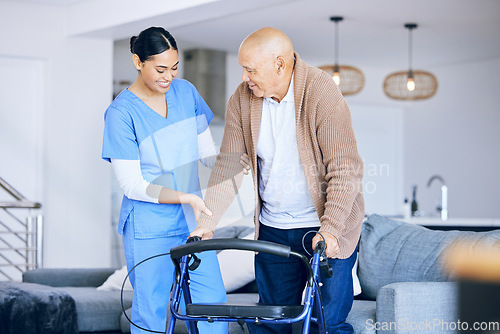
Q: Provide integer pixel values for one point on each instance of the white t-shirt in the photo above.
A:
(286, 201)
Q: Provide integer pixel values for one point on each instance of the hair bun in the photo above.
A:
(132, 43)
(150, 42)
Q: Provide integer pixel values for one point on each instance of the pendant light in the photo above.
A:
(349, 79)
(410, 85)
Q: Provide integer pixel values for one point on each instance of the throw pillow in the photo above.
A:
(115, 281)
(236, 266)
(355, 280)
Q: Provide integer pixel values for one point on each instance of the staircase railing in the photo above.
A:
(21, 235)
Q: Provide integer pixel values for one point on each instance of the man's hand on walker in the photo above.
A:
(332, 244)
(203, 232)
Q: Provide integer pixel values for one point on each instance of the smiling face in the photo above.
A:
(158, 72)
(259, 72)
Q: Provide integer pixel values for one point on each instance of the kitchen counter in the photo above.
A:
(471, 224)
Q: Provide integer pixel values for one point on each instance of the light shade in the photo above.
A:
(395, 85)
(352, 79)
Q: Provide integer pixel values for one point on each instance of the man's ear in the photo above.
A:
(280, 64)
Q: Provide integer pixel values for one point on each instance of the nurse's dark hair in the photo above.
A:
(150, 42)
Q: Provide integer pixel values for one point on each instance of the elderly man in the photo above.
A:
(293, 122)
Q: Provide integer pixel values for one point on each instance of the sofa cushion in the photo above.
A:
(58, 277)
(98, 310)
(393, 251)
(362, 316)
(423, 304)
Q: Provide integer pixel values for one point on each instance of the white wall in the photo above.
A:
(233, 74)
(454, 134)
(78, 84)
(132, 16)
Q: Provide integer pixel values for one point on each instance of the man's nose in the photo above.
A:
(244, 76)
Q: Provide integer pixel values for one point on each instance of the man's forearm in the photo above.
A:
(223, 185)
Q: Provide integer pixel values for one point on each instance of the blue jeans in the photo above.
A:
(281, 281)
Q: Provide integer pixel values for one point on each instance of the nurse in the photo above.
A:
(155, 133)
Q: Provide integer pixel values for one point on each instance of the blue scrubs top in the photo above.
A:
(168, 152)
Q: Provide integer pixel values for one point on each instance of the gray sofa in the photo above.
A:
(97, 310)
(404, 286)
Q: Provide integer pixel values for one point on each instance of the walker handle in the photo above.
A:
(230, 243)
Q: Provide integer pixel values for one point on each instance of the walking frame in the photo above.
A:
(248, 312)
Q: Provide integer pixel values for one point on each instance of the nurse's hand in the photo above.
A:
(245, 162)
(198, 206)
(202, 232)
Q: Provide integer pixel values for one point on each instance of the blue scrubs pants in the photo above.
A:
(152, 281)
(281, 281)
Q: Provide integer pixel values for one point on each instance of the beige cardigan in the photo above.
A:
(327, 150)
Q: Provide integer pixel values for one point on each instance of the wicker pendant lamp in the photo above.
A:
(410, 85)
(349, 79)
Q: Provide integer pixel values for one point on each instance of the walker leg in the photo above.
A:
(170, 325)
(307, 319)
(191, 325)
(319, 309)
(182, 285)
(174, 297)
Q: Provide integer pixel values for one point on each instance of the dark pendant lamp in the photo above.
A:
(349, 79)
(410, 85)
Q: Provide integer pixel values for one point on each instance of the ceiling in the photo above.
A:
(53, 2)
(372, 34)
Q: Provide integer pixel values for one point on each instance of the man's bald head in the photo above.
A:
(268, 61)
(268, 42)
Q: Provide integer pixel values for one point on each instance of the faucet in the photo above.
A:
(444, 196)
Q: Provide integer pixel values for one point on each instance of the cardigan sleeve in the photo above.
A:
(227, 174)
(344, 166)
